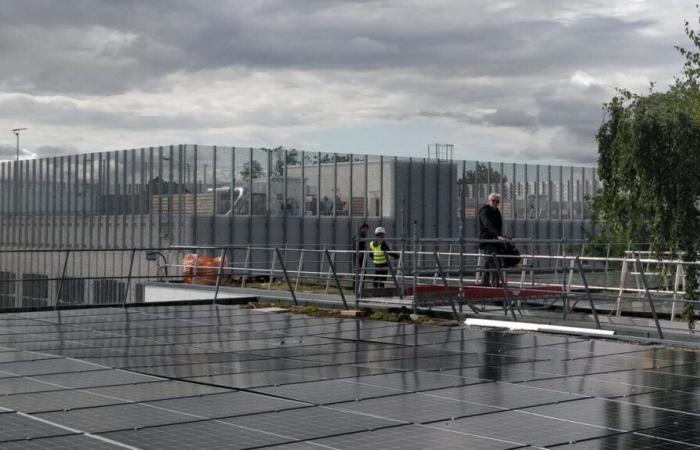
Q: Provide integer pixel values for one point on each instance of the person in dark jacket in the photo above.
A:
(490, 227)
(379, 250)
(360, 245)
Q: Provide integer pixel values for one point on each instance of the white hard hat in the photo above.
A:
(380, 230)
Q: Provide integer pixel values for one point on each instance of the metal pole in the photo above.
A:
(218, 274)
(444, 282)
(286, 277)
(63, 276)
(415, 268)
(299, 269)
(588, 292)
(245, 267)
(651, 301)
(393, 276)
(128, 280)
(272, 270)
(331, 264)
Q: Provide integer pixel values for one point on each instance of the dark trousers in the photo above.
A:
(380, 272)
(358, 269)
(491, 276)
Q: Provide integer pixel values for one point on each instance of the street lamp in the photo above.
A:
(16, 131)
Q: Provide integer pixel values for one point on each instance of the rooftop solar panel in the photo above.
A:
(170, 375)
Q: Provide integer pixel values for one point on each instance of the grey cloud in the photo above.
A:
(506, 117)
(68, 113)
(502, 117)
(62, 49)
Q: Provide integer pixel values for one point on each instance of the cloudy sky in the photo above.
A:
(515, 80)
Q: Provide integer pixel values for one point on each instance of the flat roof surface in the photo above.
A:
(200, 376)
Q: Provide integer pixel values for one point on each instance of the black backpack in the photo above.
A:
(513, 258)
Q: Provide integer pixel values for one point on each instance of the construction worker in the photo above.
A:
(379, 250)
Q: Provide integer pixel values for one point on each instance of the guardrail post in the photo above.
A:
(299, 268)
(218, 274)
(651, 301)
(286, 276)
(272, 268)
(331, 264)
(415, 267)
(444, 283)
(588, 292)
(676, 286)
(244, 278)
(60, 284)
(620, 292)
(399, 289)
(508, 303)
(128, 280)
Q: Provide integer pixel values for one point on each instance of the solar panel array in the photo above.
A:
(202, 376)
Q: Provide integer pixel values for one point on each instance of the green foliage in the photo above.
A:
(649, 165)
(255, 172)
(483, 173)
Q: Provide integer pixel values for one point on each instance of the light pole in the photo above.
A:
(16, 131)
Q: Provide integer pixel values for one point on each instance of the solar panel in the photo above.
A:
(117, 417)
(328, 391)
(15, 427)
(214, 406)
(414, 437)
(527, 428)
(504, 395)
(207, 434)
(311, 423)
(54, 401)
(416, 408)
(71, 442)
(627, 440)
(142, 392)
(169, 375)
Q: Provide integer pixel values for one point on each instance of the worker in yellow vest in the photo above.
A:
(379, 250)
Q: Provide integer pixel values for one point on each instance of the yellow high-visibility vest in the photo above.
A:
(378, 256)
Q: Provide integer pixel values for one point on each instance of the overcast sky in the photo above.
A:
(515, 80)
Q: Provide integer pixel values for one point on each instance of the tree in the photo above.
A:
(649, 163)
(483, 173)
(292, 159)
(255, 172)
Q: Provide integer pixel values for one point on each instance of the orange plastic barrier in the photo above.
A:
(201, 269)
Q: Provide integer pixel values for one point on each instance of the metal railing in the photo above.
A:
(70, 277)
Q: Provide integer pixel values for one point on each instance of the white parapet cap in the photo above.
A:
(529, 326)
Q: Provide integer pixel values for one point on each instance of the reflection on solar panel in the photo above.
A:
(200, 376)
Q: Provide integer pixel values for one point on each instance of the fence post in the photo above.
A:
(444, 283)
(415, 267)
(331, 264)
(128, 280)
(620, 292)
(588, 292)
(676, 286)
(399, 289)
(651, 301)
(286, 276)
(299, 268)
(245, 266)
(272, 268)
(60, 284)
(218, 274)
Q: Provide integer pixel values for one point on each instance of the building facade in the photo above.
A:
(68, 224)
